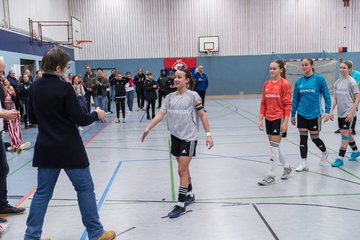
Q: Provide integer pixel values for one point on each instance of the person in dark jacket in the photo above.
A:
(5, 207)
(139, 83)
(150, 86)
(14, 83)
(99, 84)
(171, 82)
(87, 78)
(202, 83)
(23, 95)
(120, 95)
(54, 107)
(162, 82)
(111, 92)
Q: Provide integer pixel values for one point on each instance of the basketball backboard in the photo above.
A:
(76, 31)
(208, 43)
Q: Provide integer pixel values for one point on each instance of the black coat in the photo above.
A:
(150, 91)
(53, 105)
(139, 82)
(120, 91)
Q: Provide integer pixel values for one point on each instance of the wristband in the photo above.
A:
(208, 134)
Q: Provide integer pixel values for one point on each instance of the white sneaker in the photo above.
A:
(302, 167)
(267, 181)
(25, 145)
(324, 157)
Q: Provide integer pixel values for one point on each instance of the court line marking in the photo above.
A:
(265, 222)
(173, 196)
(22, 200)
(105, 193)
(221, 200)
(294, 204)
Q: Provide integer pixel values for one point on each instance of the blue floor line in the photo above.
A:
(103, 197)
(142, 117)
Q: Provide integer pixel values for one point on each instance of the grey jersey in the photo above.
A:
(182, 119)
(345, 89)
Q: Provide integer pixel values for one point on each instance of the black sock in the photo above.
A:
(342, 152)
(353, 146)
(182, 196)
(190, 185)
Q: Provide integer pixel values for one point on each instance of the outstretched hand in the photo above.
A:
(144, 134)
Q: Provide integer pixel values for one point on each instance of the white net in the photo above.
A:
(328, 68)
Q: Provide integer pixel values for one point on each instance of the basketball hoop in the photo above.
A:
(209, 51)
(78, 42)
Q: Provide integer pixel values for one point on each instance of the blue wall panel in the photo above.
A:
(227, 75)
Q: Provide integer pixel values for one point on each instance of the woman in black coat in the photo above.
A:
(54, 107)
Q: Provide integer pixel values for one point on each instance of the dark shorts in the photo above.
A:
(344, 124)
(310, 124)
(273, 127)
(181, 147)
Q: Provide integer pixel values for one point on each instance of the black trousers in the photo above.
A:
(202, 95)
(152, 103)
(109, 101)
(88, 101)
(4, 170)
(120, 102)
(162, 94)
(140, 98)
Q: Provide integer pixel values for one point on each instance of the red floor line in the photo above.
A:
(98, 132)
(26, 197)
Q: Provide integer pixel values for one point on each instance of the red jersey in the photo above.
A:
(276, 99)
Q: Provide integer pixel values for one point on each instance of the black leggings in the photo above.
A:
(162, 94)
(120, 102)
(140, 98)
(152, 102)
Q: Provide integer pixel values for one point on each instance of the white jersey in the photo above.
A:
(182, 119)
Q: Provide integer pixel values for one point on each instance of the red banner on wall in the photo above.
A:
(176, 63)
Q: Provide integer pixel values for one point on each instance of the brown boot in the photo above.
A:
(107, 235)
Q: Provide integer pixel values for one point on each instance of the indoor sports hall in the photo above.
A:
(235, 44)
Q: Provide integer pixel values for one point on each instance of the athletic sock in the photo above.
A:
(342, 152)
(274, 153)
(182, 196)
(353, 146)
(189, 189)
(282, 158)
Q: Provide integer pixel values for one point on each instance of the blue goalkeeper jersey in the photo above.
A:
(307, 97)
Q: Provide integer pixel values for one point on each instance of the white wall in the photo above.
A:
(124, 29)
(39, 10)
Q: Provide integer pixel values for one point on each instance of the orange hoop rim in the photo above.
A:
(78, 42)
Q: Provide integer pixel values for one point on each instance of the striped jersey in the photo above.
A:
(276, 99)
(307, 95)
(182, 119)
